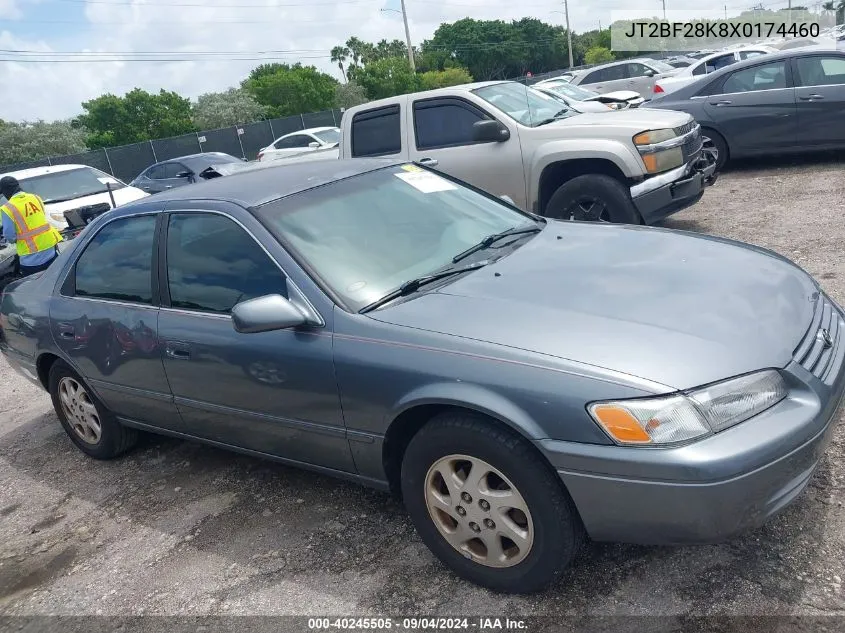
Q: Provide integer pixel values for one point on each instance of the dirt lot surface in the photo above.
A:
(180, 528)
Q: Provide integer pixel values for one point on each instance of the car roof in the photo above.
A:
(311, 130)
(265, 183)
(41, 171)
(431, 93)
(641, 60)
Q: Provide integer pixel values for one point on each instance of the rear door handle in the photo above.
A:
(724, 102)
(177, 351)
(812, 98)
(429, 162)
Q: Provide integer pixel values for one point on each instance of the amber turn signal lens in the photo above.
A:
(621, 425)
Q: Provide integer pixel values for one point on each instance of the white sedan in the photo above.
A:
(298, 142)
(707, 65)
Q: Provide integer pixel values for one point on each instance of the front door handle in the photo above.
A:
(429, 162)
(177, 351)
(724, 102)
(812, 98)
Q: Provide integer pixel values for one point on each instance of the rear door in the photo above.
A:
(609, 79)
(820, 93)
(441, 131)
(376, 132)
(755, 108)
(105, 320)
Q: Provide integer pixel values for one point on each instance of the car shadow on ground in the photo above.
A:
(284, 525)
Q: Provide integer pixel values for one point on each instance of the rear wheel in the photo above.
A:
(487, 504)
(92, 427)
(715, 143)
(593, 198)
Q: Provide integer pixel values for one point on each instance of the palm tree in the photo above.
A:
(837, 7)
(339, 55)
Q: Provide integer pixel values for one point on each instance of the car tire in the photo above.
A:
(593, 197)
(92, 427)
(717, 143)
(547, 535)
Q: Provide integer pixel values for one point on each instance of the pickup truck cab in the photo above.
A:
(628, 166)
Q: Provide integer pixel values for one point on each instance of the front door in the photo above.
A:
(105, 320)
(755, 108)
(442, 131)
(820, 99)
(272, 392)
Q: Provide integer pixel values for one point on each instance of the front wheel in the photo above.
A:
(715, 144)
(487, 505)
(593, 198)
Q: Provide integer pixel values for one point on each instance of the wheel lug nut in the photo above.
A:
(474, 527)
(466, 497)
(460, 510)
(484, 505)
(489, 523)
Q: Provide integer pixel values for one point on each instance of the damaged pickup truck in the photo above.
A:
(629, 166)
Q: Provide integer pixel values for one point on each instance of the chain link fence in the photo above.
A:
(245, 141)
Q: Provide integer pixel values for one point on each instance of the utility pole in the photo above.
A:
(408, 39)
(568, 31)
(664, 10)
(726, 12)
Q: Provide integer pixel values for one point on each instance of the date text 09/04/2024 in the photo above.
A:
(721, 30)
(419, 624)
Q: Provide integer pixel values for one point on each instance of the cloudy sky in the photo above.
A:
(225, 36)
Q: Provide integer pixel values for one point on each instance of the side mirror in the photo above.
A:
(313, 145)
(184, 174)
(650, 73)
(509, 200)
(490, 131)
(266, 314)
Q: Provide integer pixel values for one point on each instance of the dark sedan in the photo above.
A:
(182, 171)
(780, 103)
(522, 382)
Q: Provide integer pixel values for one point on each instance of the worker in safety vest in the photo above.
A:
(25, 222)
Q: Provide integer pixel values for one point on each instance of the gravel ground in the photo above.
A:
(180, 528)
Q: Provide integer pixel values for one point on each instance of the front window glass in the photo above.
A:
(329, 137)
(60, 186)
(366, 235)
(661, 67)
(524, 105)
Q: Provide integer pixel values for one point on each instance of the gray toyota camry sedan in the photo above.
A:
(522, 383)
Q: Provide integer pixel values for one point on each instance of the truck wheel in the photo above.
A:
(716, 144)
(487, 505)
(593, 198)
(92, 427)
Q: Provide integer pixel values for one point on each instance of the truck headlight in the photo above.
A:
(651, 137)
(687, 416)
(58, 217)
(664, 160)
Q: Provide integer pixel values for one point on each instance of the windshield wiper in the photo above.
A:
(488, 241)
(561, 114)
(412, 286)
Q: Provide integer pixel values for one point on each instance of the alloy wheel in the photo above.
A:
(479, 511)
(80, 411)
(588, 209)
(707, 145)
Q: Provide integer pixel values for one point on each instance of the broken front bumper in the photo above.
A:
(660, 196)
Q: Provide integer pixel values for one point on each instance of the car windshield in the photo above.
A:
(367, 235)
(524, 105)
(329, 137)
(573, 92)
(661, 67)
(60, 186)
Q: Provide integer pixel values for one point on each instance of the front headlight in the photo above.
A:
(684, 417)
(58, 217)
(615, 105)
(665, 160)
(651, 137)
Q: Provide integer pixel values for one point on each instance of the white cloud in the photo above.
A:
(56, 90)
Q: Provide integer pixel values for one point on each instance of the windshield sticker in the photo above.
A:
(426, 182)
(411, 168)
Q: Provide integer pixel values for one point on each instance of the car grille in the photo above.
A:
(685, 129)
(692, 146)
(816, 351)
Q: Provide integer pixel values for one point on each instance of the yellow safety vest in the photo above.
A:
(34, 232)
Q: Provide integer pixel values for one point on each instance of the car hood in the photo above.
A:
(124, 195)
(620, 95)
(633, 120)
(671, 307)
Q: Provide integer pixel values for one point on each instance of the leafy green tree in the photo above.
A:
(339, 56)
(387, 77)
(137, 116)
(286, 90)
(23, 142)
(598, 55)
(349, 95)
(434, 79)
(222, 109)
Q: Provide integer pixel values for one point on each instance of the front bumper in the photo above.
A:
(709, 490)
(658, 197)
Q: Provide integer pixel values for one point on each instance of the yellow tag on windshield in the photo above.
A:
(411, 168)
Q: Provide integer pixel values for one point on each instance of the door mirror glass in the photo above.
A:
(266, 314)
(490, 131)
(649, 72)
(313, 145)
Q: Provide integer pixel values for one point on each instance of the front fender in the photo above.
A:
(622, 155)
(469, 396)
